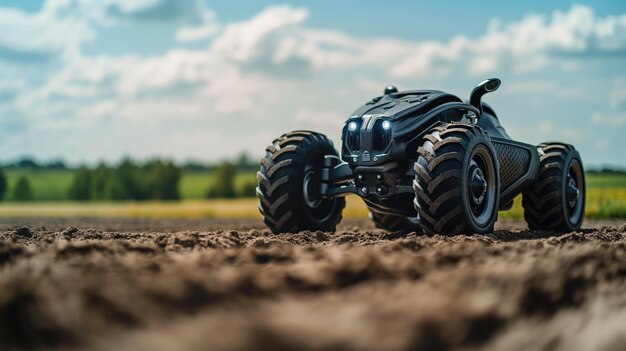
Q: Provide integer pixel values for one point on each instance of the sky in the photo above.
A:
(99, 80)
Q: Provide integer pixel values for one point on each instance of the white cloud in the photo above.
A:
(271, 67)
(34, 38)
(527, 45)
(63, 26)
(277, 36)
(615, 119)
(267, 34)
(207, 27)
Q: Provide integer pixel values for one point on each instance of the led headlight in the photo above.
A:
(353, 137)
(386, 125)
(352, 126)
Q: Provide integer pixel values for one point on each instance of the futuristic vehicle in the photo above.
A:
(422, 160)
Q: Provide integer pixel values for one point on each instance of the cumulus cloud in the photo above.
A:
(277, 36)
(40, 37)
(265, 67)
(268, 35)
(530, 44)
(63, 26)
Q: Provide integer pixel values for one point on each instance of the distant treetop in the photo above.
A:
(31, 163)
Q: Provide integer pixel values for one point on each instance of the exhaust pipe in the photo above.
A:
(486, 86)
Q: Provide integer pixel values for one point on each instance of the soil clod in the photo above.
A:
(23, 232)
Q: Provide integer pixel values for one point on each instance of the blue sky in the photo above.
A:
(90, 80)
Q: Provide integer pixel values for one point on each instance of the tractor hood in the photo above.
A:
(404, 103)
(371, 132)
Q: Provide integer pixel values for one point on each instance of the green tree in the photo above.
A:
(248, 189)
(132, 180)
(22, 190)
(3, 185)
(113, 188)
(164, 177)
(80, 190)
(224, 182)
(245, 164)
(100, 179)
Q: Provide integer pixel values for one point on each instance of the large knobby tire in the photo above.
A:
(287, 183)
(556, 201)
(394, 223)
(457, 189)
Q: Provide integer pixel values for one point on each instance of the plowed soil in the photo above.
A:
(232, 285)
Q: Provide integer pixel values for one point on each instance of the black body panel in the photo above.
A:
(490, 123)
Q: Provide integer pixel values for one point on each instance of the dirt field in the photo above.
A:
(220, 285)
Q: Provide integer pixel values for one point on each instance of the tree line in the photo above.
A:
(22, 190)
(243, 162)
(129, 180)
(223, 186)
(154, 180)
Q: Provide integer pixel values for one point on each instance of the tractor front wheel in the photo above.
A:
(457, 187)
(289, 182)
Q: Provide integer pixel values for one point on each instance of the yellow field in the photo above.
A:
(601, 203)
(238, 208)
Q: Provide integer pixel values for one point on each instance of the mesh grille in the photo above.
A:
(514, 162)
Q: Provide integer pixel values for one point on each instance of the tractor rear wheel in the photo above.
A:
(556, 201)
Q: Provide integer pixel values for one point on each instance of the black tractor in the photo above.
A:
(424, 161)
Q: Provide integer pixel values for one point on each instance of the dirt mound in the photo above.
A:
(174, 284)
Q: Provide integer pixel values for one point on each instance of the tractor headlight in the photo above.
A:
(352, 126)
(386, 125)
(353, 137)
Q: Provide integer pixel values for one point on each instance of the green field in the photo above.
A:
(53, 185)
(47, 185)
(606, 198)
(194, 185)
(605, 181)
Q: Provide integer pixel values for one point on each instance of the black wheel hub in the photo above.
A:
(311, 198)
(478, 185)
(481, 186)
(318, 208)
(572, 191)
